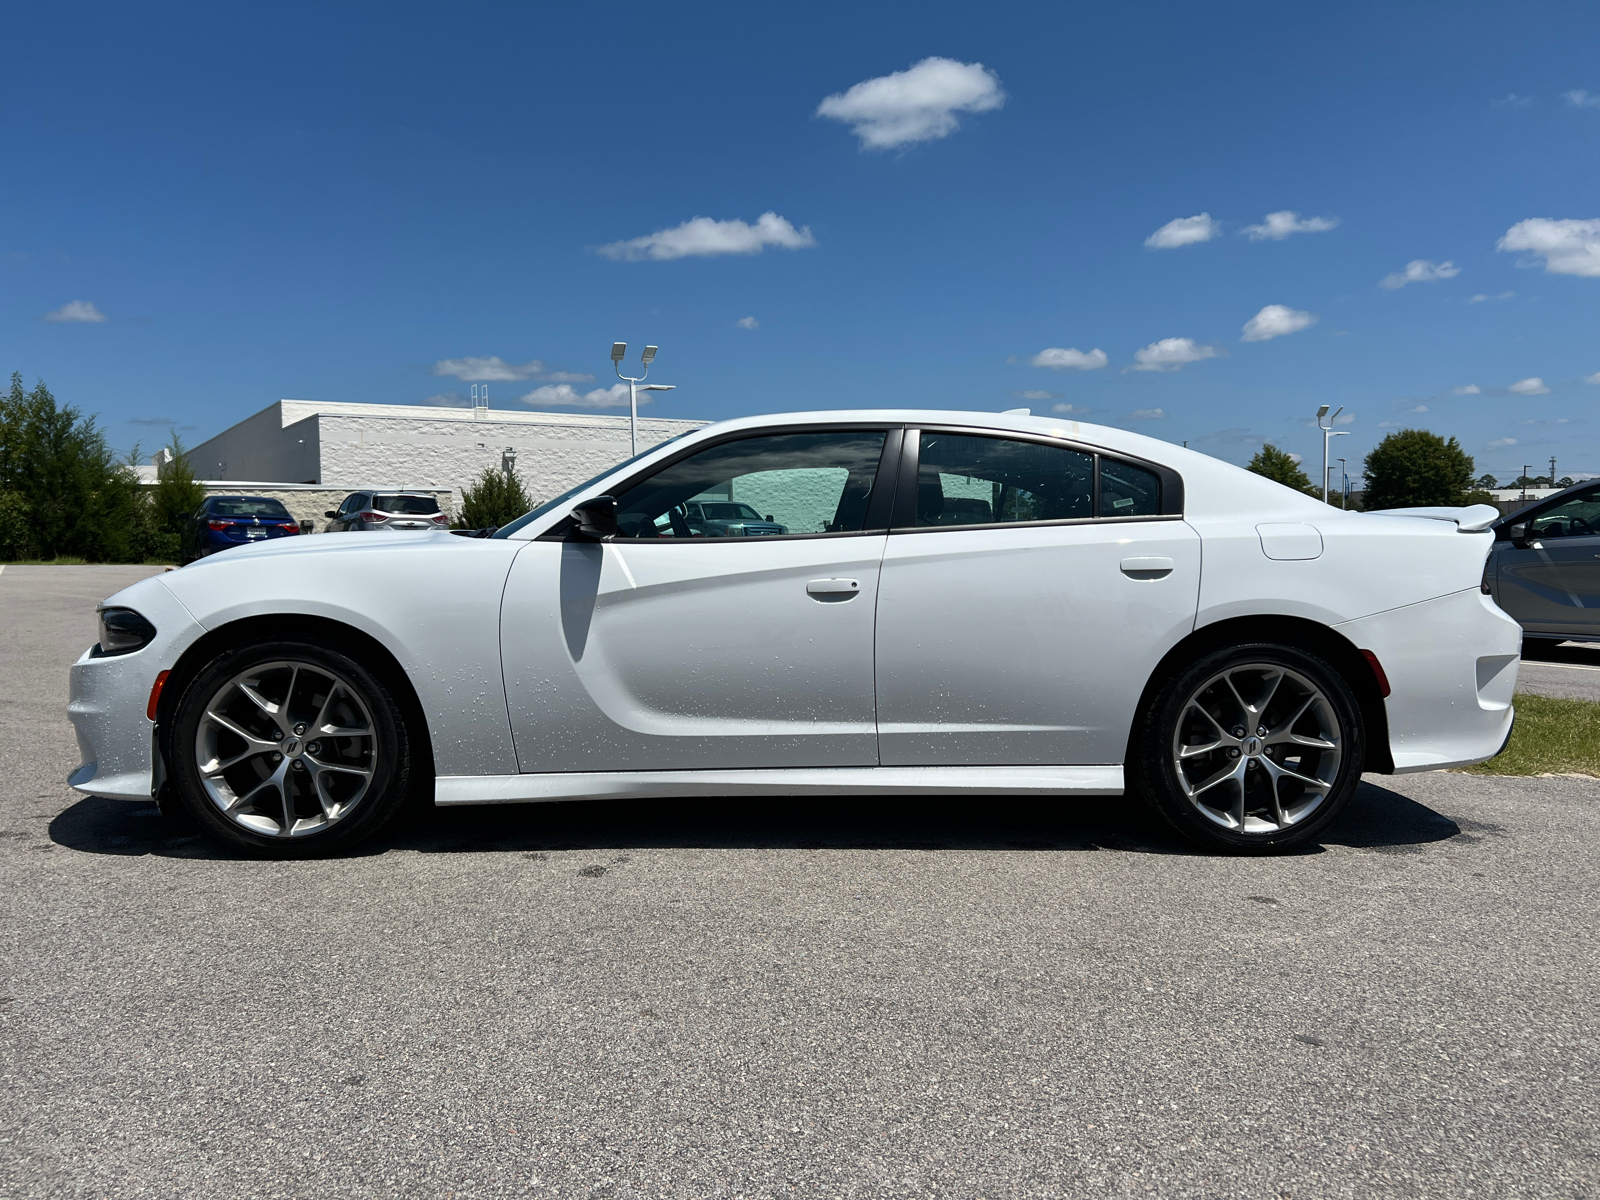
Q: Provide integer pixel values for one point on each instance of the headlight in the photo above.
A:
(122, 631)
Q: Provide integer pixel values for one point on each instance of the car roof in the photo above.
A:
(258, 499)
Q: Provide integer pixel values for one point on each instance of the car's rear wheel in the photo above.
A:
(1254, 748)
(289, 749)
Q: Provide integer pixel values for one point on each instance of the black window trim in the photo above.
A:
(905, 509)
(879, 503)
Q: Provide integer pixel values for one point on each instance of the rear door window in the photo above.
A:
(970, 480)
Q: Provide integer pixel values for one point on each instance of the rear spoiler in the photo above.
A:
(1474, 518)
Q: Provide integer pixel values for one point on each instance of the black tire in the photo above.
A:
(326, 683)
(1191, 707)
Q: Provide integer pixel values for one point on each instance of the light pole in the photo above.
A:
(1327, 432)
(618, 349)
(1344, 488)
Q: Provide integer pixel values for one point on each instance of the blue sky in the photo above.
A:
(359, 202)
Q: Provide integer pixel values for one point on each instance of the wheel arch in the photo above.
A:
(1312, 636)
(336, 635)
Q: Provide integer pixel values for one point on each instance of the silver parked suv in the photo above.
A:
(370, 512)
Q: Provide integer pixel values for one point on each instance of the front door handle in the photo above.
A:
(1147, 568)
(831, 590)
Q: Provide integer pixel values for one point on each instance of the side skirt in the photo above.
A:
(801, 781)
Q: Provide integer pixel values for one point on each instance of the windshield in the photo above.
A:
(419, 506)
(730, 512)
(552, 505)
(249, 506)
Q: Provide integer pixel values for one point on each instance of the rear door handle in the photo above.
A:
(833, 589)
(1147, 568)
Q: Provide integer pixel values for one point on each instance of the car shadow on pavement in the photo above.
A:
(1377, 819)
(1585, 654)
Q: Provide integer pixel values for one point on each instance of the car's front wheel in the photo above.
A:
(1253, 748)
(289, 748)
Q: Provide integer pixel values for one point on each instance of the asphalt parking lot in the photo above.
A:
(786, 999)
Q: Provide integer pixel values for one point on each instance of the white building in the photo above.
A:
(333, 448)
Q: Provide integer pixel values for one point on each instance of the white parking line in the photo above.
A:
(1569, 666)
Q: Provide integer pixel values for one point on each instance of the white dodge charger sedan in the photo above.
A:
(958, 603)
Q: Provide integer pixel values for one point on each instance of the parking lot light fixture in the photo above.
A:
(1328, 432)
(618, 349)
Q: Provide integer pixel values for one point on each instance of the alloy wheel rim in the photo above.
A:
(286, 749)
(1257, 748)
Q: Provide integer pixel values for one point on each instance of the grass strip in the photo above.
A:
(1553, 736)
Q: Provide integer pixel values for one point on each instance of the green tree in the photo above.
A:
(1415, 468)
(496, 499)
(1281, 467)
(1487, 482)
(169, 504)
(61, 492)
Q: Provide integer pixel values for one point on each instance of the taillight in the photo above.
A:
(439, 519)
(373, 518)
(291, 527)
(219, 526)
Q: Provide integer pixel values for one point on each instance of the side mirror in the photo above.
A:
(331, 515)
(597, 518)
(1517, 535)
(769, 517)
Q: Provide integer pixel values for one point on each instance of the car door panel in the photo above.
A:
(634, 655)
(1551, 584)
(1026, 645)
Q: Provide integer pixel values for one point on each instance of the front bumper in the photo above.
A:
(1452, 666)
(107, 698)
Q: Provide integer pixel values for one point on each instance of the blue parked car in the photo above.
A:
(224, 521)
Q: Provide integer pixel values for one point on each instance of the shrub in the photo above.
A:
(1278, 466)
(496, 499)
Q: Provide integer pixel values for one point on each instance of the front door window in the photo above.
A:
(777, 485)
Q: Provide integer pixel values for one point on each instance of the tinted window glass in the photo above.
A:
(1578, 516)
(787, 483)
(246, 506)
(418, 506)
(1127, 490)
(351, 503)
(506, 531)
(964, 480)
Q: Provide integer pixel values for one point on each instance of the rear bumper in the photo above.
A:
(108, 696)
(1452, 666)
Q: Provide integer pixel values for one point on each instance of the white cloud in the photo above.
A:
(1072, 410)
(1579, 98)
(1146, 414)
(1421, 408)
(1478, 299)
(1595, 378)
(1420, 270)
(1279, 225)
(565, 395)
(1184, 231)
(915, 105)
(748, 323)
(1505, 295)
(703, 237)
(1502, 443)
(1275, 320)
(77, 311)
(1532, 386)
(1035, 394)
(1295, 458)
(1470, 389)
(492, 369)
(447, 400)
(1170, 354)
(1070, 359)
(1348, 418)
(1512, 100)
(1567, 247)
